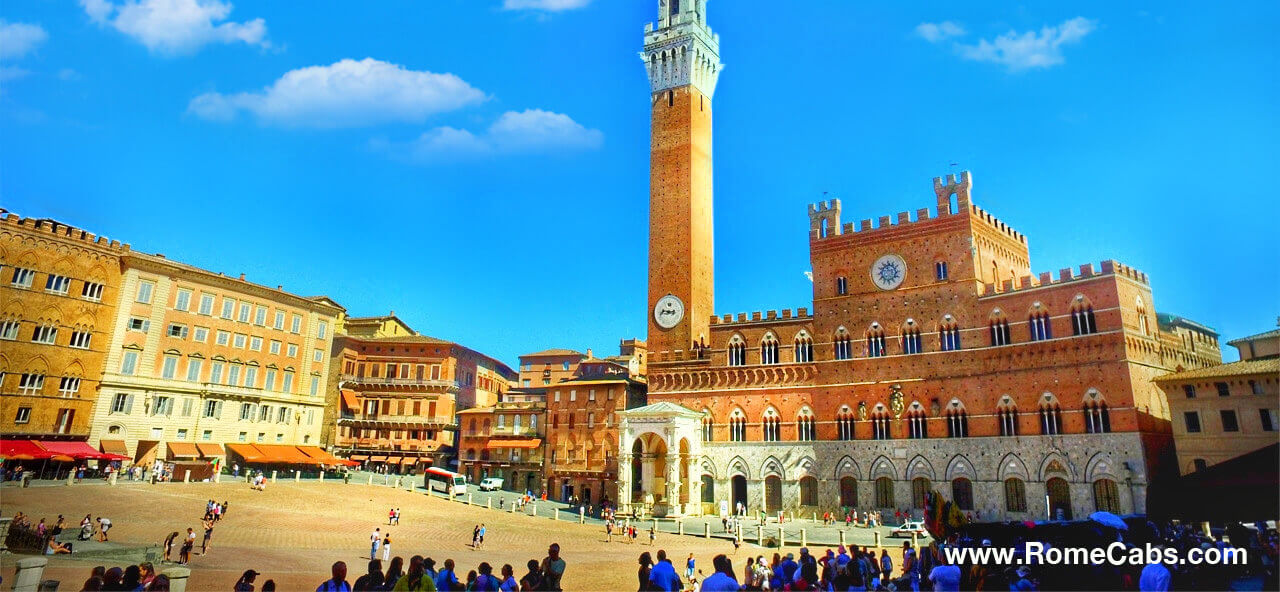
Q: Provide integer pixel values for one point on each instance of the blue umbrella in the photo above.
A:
(1109, 519)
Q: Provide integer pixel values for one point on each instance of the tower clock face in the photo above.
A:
(888, 271)
(668, 312)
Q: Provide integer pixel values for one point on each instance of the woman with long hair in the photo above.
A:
(394, 571)
(415, 580)
(642, 575)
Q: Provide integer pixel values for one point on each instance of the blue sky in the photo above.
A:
(481, 166)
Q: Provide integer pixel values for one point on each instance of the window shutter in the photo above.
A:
(128, 404)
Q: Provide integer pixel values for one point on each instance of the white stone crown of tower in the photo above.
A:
(682, 50)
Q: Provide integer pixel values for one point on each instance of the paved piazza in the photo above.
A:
(292, 532)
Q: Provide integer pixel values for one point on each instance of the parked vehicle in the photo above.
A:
(907, 528)
(490, 484)
(447, 482)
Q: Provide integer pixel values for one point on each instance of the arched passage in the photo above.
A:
(739, 490)
(1059, 498)
(772, 493)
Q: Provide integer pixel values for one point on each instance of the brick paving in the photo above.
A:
(292, 532)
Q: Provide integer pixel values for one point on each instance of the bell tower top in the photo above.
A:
(682, 50)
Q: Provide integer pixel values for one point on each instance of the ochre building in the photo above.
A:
(398, 392)
(1226, 411)
(59, 286)
(932, 356)
(198, 360)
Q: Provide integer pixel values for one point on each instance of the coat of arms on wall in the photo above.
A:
(896, 402)
(862, 410)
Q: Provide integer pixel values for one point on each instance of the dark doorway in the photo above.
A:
(1059, 499)
(739, 492)
(772, 493)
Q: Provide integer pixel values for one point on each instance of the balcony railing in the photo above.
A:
(351, 378)
(359, 418)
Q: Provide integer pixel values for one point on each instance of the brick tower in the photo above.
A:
(682, 57)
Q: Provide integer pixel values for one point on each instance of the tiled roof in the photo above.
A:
(554, 352)
(1247, 367)
(1274, 333)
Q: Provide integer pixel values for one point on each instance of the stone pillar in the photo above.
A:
(680, 528)
(217, 476)
(113, 476)
(488, 503)
(30, 572)
(782, 537)
(186, 476)
(673, 485)
(322, 474)
(370, 479)
(842, 538)
(178, 577)
(555, 515)
(582, 516)
(71, 477)
(297, 475)
(624, 483)
(646, 473)
(875, 536)
(273, 476)
(915, 542)
(804, 538)
(759, 534)
(469, 499)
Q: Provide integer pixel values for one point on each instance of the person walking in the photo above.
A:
(653, 535)
(688, 567)
(397, 516)
(375, 540)
(475, 537)
(482, 531)
(391, 517)
(386, 547)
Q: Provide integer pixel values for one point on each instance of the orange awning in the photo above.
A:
(523, 443)
(114, 447)
(210, 449)
(393, 460)
(377, 459)
(322, 456)
(409, 460)
(247, 451)
(280, 453)
(359, 457)
(350, 401)
(182, 450)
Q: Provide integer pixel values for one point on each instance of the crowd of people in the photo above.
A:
(42, 537)
(423, 574)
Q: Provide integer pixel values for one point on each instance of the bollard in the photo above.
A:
(113, 477)
(706, 530)
(178, 577)
(274, 474)
(582, 517)
(322, 474)
(842, 538)
(876, 537)
(914, 542)
(759, 534)
(655, 525)
(71, 477)
(297, 475)
(30, 571)
(469, 499)
(535, 509)
(680, 529)
(186, 476)
(488, 503)
(217, 477)
(556, 515)
(804, 538)
(370, 479)
(782, 538)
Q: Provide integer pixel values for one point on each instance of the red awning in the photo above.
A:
(76, 450)
(248, 452)
(350, 400)
(22, 450)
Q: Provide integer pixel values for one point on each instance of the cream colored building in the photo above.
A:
(198, 360)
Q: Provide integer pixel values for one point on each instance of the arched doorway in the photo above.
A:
(848, 492)
(772, 493)
(531, 483)
(649, 469)
(1059, 498)
(740, 491)
(920, 488)
(708, 490)
(808, 491)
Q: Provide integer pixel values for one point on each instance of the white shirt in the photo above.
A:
(1154, 578)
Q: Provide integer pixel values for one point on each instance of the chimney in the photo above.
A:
(242, 277)
(589, 356)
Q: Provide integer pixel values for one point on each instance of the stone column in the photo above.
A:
(673, 485)
(178, 577)
(30, 572)
(624, 483)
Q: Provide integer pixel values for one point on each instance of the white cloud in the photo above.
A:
(545, 5)
(528, 131)
(342, 95)
(1023, 51)
(19, 39)
(935, 32)
(8, 73)
(176, 26)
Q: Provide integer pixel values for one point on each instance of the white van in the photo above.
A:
(490, 484)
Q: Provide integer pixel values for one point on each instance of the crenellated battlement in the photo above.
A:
(51, 227)
(761, 317)
(1066, 275)
(995, 224)
(959, 187)
(824, 219)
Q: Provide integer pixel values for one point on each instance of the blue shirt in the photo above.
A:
(719, 582)
(446, 580)
(663, 575)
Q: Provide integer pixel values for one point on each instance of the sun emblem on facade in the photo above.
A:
(888, 272)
